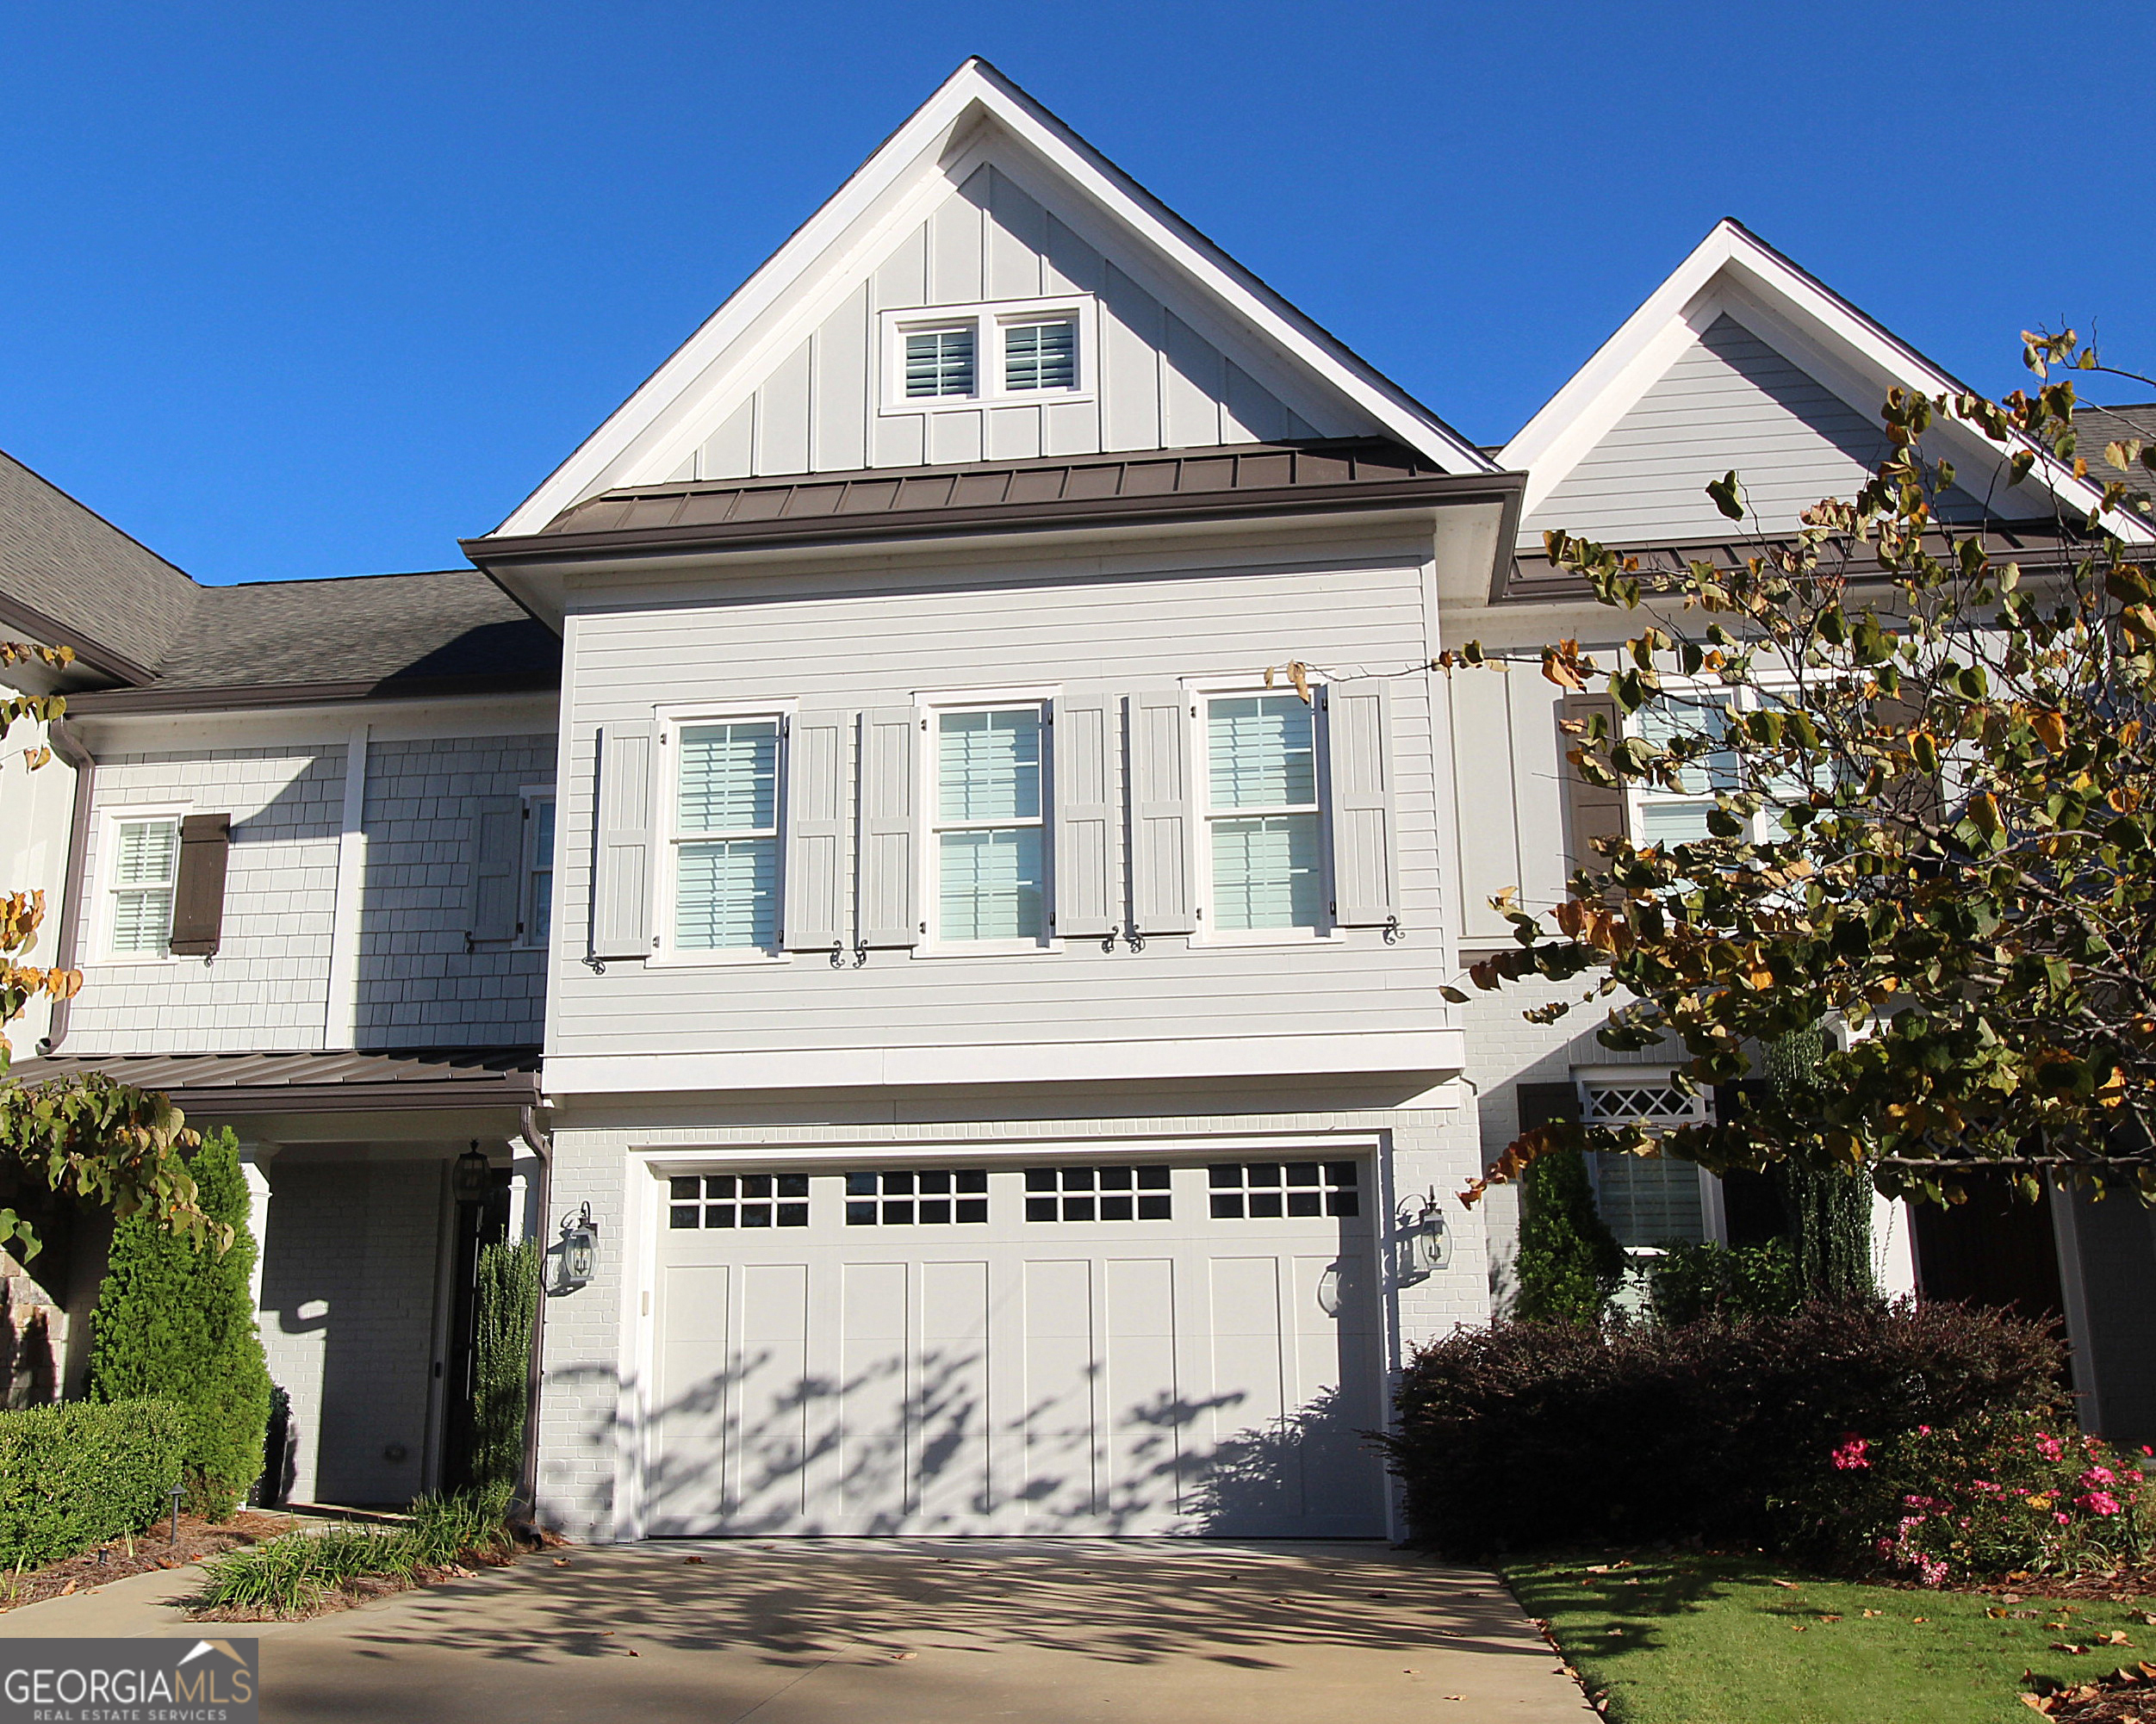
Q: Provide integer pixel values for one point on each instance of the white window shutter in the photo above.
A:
(813, 868)
(890, 827)
(621, 883)
(1358, 753)
(1086, 726)
(1163, 814)
(497, 851)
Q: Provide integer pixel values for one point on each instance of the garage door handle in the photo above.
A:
(1329, 1292)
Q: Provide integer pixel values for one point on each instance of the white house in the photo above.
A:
(851, 855)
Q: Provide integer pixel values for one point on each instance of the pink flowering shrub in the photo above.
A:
(2008, 1493)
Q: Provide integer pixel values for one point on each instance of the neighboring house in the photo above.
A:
(971, 1037)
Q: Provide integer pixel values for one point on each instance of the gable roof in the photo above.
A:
(874, 209)
(72, 579)
(1733, 274)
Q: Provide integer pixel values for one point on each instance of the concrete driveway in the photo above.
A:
(806, 1633)
(917, 1631)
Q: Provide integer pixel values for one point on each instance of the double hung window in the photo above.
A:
(990, 849)
(538, 870)
(1649, 1201)
(1679, 816)
(143, 874)
(1262, 830)
(725, 837)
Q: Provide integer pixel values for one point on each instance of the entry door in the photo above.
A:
(1065, 1348)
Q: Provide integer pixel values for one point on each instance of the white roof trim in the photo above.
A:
(1575, 419)
(917, 154)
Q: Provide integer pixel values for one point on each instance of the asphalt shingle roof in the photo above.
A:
(2095, 426)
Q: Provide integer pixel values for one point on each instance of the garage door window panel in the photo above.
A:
(923, 1197)
(1264, 1191)
(747, 1201)
(1098, 1193)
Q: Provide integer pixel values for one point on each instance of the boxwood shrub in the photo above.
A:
(74, 1476)
(1543, 1434)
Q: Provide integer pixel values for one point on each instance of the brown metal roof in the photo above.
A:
(217, 1084)
(1235, 479)
(1534, 576)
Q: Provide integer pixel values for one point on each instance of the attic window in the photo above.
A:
(939, 362)
(1040, 355)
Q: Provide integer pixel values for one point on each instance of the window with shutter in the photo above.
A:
(724, 841)
(538, 870)
(143, 873)
(1262, 824)
(1040, 355)
(989, 847)
(940, 361)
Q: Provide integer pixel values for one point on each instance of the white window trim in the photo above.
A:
(107, 856)
(1199, 690)
(988, 319)
(666, 955)
(930, 706)
(1746, 698)
(1713, 1220)
(527, 856)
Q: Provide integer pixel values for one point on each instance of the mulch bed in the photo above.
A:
(153, 1548)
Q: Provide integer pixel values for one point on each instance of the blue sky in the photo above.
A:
(307, 290)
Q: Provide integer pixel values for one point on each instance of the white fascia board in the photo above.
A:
(912, 167)
(298, 727)
(1438, 1051)
(1625, 366)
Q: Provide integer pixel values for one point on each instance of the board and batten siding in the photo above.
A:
(866, 644)
(1729, 401)
(1159, 383)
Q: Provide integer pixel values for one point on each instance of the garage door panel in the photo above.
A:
(876, 1470)
(1061, 1372)
(952, 1435)
(686, 1488)
(781, 1403)
(1146, 1410)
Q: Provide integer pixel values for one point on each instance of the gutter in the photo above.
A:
(71, 748)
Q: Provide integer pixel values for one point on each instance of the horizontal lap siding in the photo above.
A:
(880, 648)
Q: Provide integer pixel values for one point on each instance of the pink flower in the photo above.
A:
(1849, 1457)
(1931, 1571)
(2062, 1519)
(2099, 1475)
(2147, 1450)
(1923, 1430)
(2049, 1447)
(2099, 1503)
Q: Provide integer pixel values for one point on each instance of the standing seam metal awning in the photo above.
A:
(335, 1081)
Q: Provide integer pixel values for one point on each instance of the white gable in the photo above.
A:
(983, 201)
(1742, 361)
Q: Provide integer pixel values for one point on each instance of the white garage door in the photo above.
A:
(1065, 1348)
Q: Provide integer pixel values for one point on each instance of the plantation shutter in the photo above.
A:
(1086, 737)
(621, 883)
(198, 897)
(813, 869)
(890, 823)
(1593, 810)
(1358, 751)
(1163, 814)
(501, 848)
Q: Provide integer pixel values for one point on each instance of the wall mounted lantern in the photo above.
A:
(580, 1251)
(471, 1178)
(1426, 1242)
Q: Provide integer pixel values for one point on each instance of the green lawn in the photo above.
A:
(1715, 1639)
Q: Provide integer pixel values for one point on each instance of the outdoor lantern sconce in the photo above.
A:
(580, 1251)
(471, 1178)
(1426, 1241)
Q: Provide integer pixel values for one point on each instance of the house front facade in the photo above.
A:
(923, 861)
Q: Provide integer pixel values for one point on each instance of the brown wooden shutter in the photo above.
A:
(198, 897)
(1591, 811)
(1543, 1104)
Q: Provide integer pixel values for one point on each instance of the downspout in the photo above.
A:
(71, 748)
(541, 1141)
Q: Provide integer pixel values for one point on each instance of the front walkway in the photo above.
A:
(918, 1632)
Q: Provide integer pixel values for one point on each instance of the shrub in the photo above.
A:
(73, 1476)
(290, 1575)
(1568, 1263)
(1691, 1281)
(2000, 1494)
(1532, 1434)
(507, 1305)
(176, 1320)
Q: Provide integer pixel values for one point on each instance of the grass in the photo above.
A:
(293, 1575)
(1707, 1639)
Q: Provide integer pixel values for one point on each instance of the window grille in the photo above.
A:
(1261, 783)
(748, 1199)
(990, 853)
(939, 362)
(726, 836)
(1264, 1190)
(1041, 355)
(1097, 1194)
(927, 1197)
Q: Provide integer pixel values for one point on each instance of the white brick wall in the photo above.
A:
(348, 1319)
(582, 1439)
